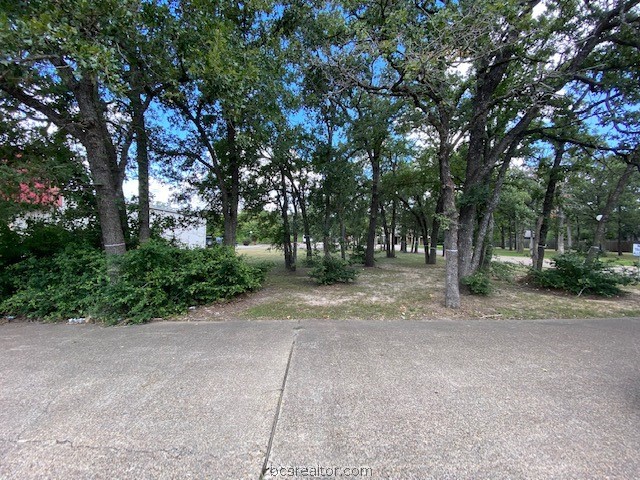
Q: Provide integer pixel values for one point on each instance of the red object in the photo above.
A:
(40, 194)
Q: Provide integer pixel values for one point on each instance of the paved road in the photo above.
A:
(407, 400)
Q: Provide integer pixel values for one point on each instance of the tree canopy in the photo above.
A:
(456, 123)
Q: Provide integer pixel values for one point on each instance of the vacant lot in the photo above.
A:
(405, 288)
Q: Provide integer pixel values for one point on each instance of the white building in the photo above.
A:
(189, 231)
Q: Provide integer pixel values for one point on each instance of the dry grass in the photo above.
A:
(404, 288)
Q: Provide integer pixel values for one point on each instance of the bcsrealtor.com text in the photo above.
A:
(318, 471)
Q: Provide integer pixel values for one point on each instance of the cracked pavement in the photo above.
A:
(408, 399)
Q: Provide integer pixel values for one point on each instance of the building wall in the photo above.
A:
(190, 232)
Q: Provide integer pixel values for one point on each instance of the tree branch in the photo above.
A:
(54, 116)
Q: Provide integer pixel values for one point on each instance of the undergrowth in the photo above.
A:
(570, 272)
(330, 270)
(154, 280)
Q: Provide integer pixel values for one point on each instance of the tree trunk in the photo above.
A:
(307, 234)
(487, 217)
(393, 228)
(619, 231)
(510, 235)
(386, 230)
(326, 233)
(299, 192)
(369, 258)
(467, 223)
(229, 194)
(479, 162)
(92, 131)
(294, 231)
(547, 205)
(142, 158)
(452, 279)
(102, 159)
(230, 223)
(533, 229)
(487, 249)
(286, 229)
(560, 244)
(295, 243)
(612, 200)
(425, 240)
(452, 286)
(519, 236)
(482, 152)
(534, 242)
(403, 239)
(231, 207)
(435, 232)
(343, 239)
(106, 195)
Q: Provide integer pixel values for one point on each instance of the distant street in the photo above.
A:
(545, 399)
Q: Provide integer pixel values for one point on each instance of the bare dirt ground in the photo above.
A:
(405, 288)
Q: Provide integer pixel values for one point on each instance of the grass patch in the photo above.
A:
(612, 258)
(405, 288)
(624, 260)
(505, 252)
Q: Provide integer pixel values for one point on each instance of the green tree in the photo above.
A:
(226, 93)
(371, 133)
(62, 60)
(481, 73)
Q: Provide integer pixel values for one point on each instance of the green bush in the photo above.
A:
(571, 273)
(478, 283)
(358, 255)
(11, 250)
(332, 270)
(310, 262)
(503, 271)
(155, 280)
(40, 239)
(64, 285)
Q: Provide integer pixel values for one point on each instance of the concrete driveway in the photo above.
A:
(324, 399)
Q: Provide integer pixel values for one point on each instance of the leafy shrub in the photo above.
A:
(41, 239)
(38, 240)
(11, 249)
(155, 280)
(6, 284)
(310, 262)
(478, 283)
(571, 273)
(44, 240)
(332, 270)
(65, 284)
(10, 253)
(358, 255)
(503, 271)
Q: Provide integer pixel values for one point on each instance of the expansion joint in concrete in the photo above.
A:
(276, 417)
